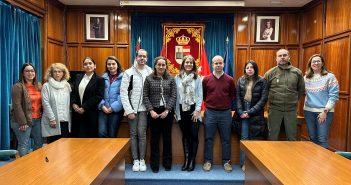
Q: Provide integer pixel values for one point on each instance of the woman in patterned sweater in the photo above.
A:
(322, 92)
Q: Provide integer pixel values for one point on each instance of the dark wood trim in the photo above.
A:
(55, 41)
(337, 35)
(319, 42)
(29, 7)
(312, 41)
(96, 45)
(57, 3)
(311, 5)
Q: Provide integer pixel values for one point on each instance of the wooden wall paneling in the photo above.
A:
(338, 16)
(122, 53)
(294, 56)
(55, 53)
(111, 33)
(73, 63)
(312, 21)
(98, 54)
(55, 22)
(265, 58)
(38, 3)
(337, 57)
(122, 27)
(242, 28)
(308, 51)
(36, 7)
(240, 59)
(72, 26)
(338, 129)
(292, 29)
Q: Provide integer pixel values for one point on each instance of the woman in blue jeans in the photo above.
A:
(322, 92)
(110, 107)
(26, 110)
(252, 94)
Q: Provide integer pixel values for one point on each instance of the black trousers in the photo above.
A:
(190, 132)
(160, 127)
(64, 133)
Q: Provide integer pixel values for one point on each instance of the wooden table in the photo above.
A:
(300, 162)
(70, 161)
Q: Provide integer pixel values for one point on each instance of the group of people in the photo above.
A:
(153, 97)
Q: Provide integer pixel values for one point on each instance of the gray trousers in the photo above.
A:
(137, 128)
(275, 118)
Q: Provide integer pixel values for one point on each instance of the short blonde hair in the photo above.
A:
(60, 66)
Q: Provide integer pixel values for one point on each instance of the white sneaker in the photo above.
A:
(136, 166)
(142, 166)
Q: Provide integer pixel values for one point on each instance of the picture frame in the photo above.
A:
(96, 27)
(267, 29)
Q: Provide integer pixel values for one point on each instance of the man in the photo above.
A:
(218, 93)
(285, 85)
(132, 97)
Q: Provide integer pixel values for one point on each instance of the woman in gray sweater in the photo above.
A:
(159, 98)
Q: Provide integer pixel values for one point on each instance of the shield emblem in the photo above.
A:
(180, 52)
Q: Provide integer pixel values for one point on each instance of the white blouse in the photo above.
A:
(82, 85)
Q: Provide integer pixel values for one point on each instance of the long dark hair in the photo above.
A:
(309, 71)
(193, 70)
(255, 67)
(166, 74)
(119, 66)
(91, 59)
(23, 80)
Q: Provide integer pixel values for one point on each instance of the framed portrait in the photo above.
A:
(267, 29)
(96, 27)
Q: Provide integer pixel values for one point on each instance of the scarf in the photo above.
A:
(188, 91)
(59, 85)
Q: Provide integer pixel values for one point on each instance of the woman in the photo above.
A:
(159, 98)
(322, 92)
(252, 94)
(26, 110)
(110, 107)
(56, 121)
(188, 109)
(87, 93)
(267, 33)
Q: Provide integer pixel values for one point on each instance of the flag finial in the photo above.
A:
(227, 40)
(139, 40)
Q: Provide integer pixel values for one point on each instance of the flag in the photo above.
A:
(228, 64)
(138, 45)
(163, 51)
(204, 68)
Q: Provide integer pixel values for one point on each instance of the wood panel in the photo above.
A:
(240, 60)
(338, 129)
(72, 59)
(265, 59)
(72, 25)
(294, 56)
(55, 53)
(38, 3)
(312, 24)
(122, 28)
(242, 29)
(55, 22)
(337, 57)
(123, 55)
(98, 54)
(292, 29)
(338, 16)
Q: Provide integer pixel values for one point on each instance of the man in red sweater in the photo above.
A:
(218, 94)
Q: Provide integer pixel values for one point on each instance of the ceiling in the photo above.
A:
(248, 3)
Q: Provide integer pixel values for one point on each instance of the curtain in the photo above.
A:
(20, 38)
(149, 27)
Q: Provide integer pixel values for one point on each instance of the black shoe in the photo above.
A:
(168, 168)
(186, 164)
(154, 169)
(191, 166)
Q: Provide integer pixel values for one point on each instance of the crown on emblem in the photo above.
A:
(183, 40)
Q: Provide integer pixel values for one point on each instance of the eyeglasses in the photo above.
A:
(316, 61)
(29, 71)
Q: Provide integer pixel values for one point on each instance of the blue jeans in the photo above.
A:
(318, 132)
(222, 120)
(23, 137)
(109, 124)
(244, 131)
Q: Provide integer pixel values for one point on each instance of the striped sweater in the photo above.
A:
(321, 92)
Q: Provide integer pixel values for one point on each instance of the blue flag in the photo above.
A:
(228, 68)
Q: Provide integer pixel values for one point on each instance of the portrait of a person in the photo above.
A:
(267, 33)
(97, 27)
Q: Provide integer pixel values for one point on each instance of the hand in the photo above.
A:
(109, 110)
(322, 117)
(131, 116)
(23, 128)
(75, 107)
(81, 110)
(164, 114)
(52, 124)
(104, 109)
(154, 114)
(244, 115)
(196, 115)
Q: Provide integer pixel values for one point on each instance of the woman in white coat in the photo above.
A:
(56, 120)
